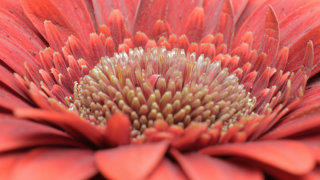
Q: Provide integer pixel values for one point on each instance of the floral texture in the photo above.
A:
(154, 89)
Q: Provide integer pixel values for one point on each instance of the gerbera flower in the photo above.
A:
(159, 89)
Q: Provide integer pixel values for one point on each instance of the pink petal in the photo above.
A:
(167, 170)
(38, 11)
(79, 128)
(199, 166)
(9, 80)
(313, 143)
(78, 16)
(118, 130)
(51, 163)
(250, 20)
(103, 8)
(10, 101)
(14, 55)
(18, 133)
(294, 126)
(7, 162)
(131, 161)
(70, 16)
(18, 28)
(282, 154)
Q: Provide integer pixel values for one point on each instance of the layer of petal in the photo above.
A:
(282, 154)
(130, 161)
(167, 170)
(18, 133)
(199, 166)
(51, 163)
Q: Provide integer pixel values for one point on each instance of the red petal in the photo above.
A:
(270, 43)
(118, 130)
(7, 162)
(192, 133)
(78, 15)
(9, 80)
(55, 38)
(239, 6)
(68, 121)
(314, 145)
(250, 20)
(17, 133)
(9, 101)
(282, 154)
(38, 11)
(294, 126)
(15, 55)
(195, 25)
(177, 13)
(199, 166)
(167, 170)
(18, 28)
(70, 16)
(130, 162)
(103, 8)
(50, 163)
(147, 16)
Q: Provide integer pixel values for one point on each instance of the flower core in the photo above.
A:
(158, 84)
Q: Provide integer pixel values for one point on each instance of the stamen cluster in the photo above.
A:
(158, 84)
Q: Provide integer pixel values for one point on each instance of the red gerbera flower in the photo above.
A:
(159, 89)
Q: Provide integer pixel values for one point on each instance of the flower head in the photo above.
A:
(153, 89)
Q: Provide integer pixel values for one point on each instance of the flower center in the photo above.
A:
(161, 85)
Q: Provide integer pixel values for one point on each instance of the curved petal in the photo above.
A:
(282, 154)
(176, 13)
(313, 143)
(103, 8)
(9, 80)
(79, 128)
(130, 161)
(118, 130)
(9, 101)
(44, 163)
(167, 170)
(18, 133)
(199, 166)
(294, 126)
(7, 162)
(70, 16)
(256, 10)
(14, 55)
(16, 29)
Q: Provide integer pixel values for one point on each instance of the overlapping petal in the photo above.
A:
(274, 51)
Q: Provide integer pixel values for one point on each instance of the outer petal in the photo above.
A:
(256, 10)
(75, 126)
(17, 29)
(294, 126)
(8, 79)
(9, 101)
(199, 166)
(50, 163)
(131, 161)
(71, 16)
(14, 55)
(167, 170)
(7, 162)
(282, 154)
(18, 133)
(314, 145)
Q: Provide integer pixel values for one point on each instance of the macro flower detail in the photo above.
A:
(159, 89)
